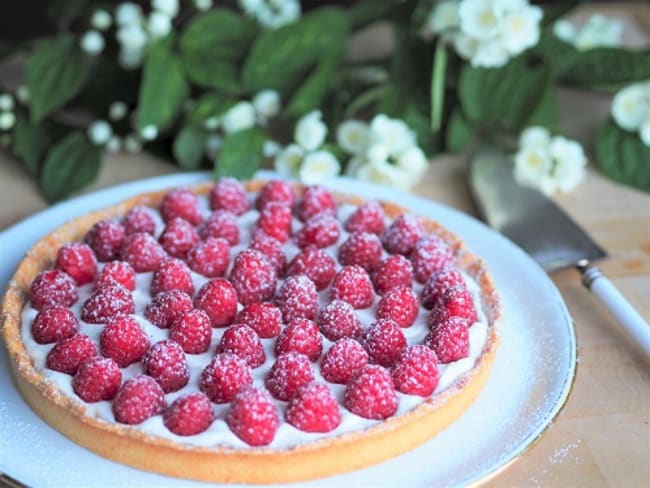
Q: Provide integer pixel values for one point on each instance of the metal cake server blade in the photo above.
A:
(547, 234)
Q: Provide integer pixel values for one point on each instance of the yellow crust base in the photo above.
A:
(320, 458)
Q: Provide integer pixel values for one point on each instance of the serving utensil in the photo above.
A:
(547, 234)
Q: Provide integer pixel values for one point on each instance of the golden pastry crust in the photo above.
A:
(320, 458)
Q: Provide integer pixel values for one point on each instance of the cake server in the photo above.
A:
(547, 234)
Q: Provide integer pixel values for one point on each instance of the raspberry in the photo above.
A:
(243, 341)
(53, 287)
(456, 301)
(368, 217)
(178, 237)
(123, 340)
(97, 379)
(316, 265)
(264, 318)
(395, 271)
(399, 304)
(53, 324)
(352, 284)
(363, 249)
(275, 221)
(172, 274)
(78, 260)
(166, 307)
(253, 417)
(116, 273)
(437, 283)
(289, 372)
(106, 238)
(276, 191)
(384, 342)
(190, 414)
(322, 230)
(225, 375)
(253, 277)
(165, 362)
(139, 399)
(429, 255)
(192, 330)
(142, 252)
(139, 219)
(106, 303)
(223, 224)
(229, 194)
(301, 335)
(314, 409)
(338, 320)
(182, 203)
(210, 257)
(416, 371)
(297, 298)
(371, 394)
(271, 249)
(343, 361)
(315, 200)
(218, 299)
(68, 354)
(402, 235)
(449, 340)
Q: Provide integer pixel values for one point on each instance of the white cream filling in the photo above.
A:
(218, 433)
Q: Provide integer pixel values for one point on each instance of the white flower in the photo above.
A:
(101, 20)
(599, 31)
(276, 13)
(413, 162)
(159, 24)
(318, 166)
(310, 131)
(128, 13)
(132, 144)
(6, 102)
(267, 103)
(479, 18)
(353, 136)
(149, 132)
(631, 106)
(377, 152)
(393, 133)
(211, 123)
(519, 30)
(534, 137)
(444, 16)
(532, 165)
(384, 173)
(240, 116)
(132, 37)
(114, 144)
(271, 149)
(22, 93)
(547, 185)
(353, 166)
(251, 6)
(644, 131)
(92, 42)
(565, 150)
(203, 5)
(288, 160)
(99, 132)
(213, 143)
(565, 31)
(568, 174)
(490, 54)
(130, 58)
(465, 45)
(167, 7)
(117, 110)
(7, 120)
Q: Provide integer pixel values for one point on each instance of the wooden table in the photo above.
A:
(602, 437)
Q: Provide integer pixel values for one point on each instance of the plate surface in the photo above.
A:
(531, 378)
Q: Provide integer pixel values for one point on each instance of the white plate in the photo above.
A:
(531, 379)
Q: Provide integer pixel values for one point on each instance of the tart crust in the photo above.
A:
(320, 458)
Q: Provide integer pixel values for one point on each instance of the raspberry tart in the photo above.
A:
(260, 332)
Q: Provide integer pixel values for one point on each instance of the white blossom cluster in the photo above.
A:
(549, 163)
(487, 32)
(631, 109)
(305, 158)
(597, 31)
(7, 116)
(384, 151)
(272, 13)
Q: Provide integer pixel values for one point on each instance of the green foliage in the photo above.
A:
(56, 71)
(241, 154)
(188, 147)
(30, 143)
(459, 132)
(608, 67)
(211, 104)
(623, 157)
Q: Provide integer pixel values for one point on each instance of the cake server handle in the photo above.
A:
(627, 317)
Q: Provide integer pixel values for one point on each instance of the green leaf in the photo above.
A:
(64, 12)
(364, 12)
(313, 89)
(623, 157)
(30, 143)
(459, 132)
(188, 147)
(213, 47)
(211, 104)
(438, 85)
(608, 67)
(241, 154)
(56, 71)
(546, 112)
(163, 88)
(71, 164)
